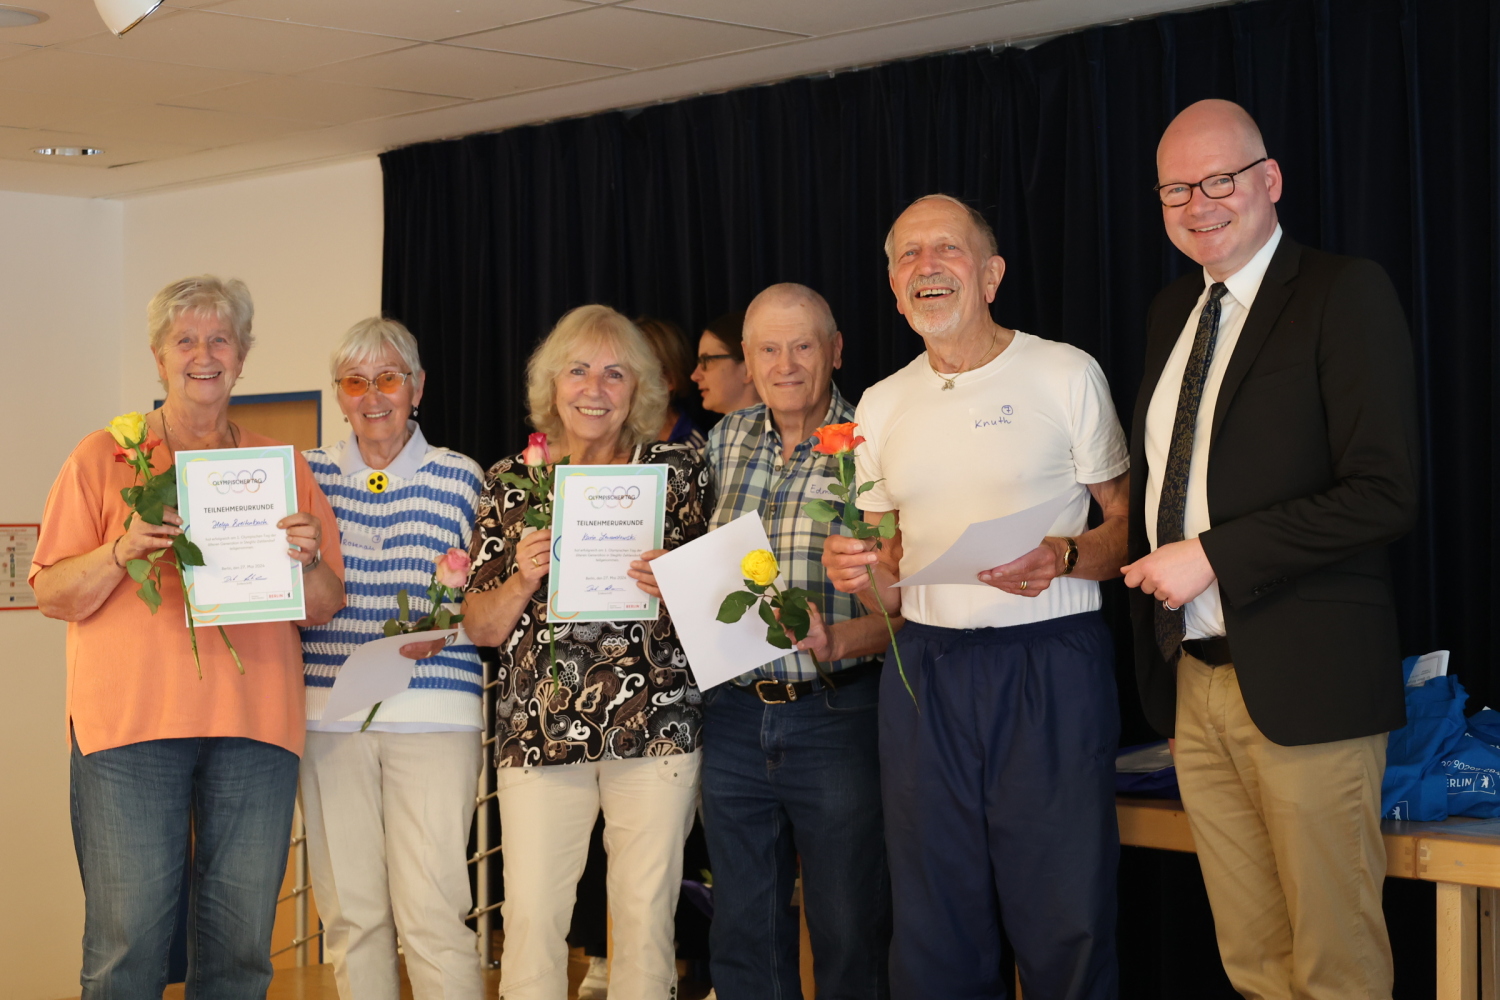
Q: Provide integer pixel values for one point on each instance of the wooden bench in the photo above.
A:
(1461, 855)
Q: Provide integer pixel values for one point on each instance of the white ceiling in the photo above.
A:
(206, 90)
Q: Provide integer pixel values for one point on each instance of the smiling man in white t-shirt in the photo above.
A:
(998, 782)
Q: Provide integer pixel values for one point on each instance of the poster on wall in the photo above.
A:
(17, 546)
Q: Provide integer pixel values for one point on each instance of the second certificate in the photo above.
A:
(605, 517)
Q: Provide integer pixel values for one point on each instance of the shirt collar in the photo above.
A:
(836, 406)
(1244, 284)
(406, 464)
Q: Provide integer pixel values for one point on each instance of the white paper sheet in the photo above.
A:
(1428, 666)
(375, 671)
(987, 544)
(694, 580)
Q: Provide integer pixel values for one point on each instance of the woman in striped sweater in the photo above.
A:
(388, 809)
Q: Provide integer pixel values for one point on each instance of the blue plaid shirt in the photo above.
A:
(744, 457)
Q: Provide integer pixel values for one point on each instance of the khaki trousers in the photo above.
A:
(387, 841)
(547, 815)
(1289, 841)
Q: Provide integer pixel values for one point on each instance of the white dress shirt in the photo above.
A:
(1204, 615)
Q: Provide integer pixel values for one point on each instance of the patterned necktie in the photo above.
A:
(1170, 627)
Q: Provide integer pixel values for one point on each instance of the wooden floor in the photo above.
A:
(315, 982)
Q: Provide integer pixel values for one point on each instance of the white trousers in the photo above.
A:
(388, 819)
(546, 816)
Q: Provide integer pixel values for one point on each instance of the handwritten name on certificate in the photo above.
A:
(605, 517)
(230, 500)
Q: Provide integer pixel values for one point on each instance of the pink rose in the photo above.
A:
(452, 569)
(536, 451)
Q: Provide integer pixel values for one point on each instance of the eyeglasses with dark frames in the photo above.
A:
(1175, 194)
(387, 382)
(704, 359)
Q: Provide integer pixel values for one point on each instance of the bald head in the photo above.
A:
(1226, 225)
(1223, 123)
(792, 297)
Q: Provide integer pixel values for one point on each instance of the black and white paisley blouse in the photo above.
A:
(623, 688)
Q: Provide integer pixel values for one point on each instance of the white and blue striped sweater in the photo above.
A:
(390, 541)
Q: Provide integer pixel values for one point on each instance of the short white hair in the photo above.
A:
(370, 338)
(226, 298)
(976, 219)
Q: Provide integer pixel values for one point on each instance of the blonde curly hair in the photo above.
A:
(580, 332)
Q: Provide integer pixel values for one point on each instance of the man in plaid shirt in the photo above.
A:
(791, 763)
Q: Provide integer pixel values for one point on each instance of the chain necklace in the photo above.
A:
(166, 428)
(948, 379)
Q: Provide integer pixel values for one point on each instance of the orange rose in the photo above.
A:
(836, 439)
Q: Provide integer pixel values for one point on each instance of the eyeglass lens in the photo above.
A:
(386, 382)
(704, 359)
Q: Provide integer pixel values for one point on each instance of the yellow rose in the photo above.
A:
(759, 567)
(128, 429)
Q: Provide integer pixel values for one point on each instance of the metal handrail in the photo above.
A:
(300, 942)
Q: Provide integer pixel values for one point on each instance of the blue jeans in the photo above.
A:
(1000, 809)
(779, 781)
(141, 812)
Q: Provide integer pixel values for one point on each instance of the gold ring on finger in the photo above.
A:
(1024, 583)
(536, 562)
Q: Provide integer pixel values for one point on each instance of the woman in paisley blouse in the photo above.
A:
(619, 729)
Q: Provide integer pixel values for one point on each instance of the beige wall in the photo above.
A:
(307, 243)
(75, 276)
(59, 358)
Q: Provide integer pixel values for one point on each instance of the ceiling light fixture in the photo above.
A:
(19, 17)
(67, 151)
(122, 15)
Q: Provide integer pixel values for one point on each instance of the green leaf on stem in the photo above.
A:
(821, 510)
(455, 620)
(188, 554)
(735, 605)
(535, 519)
(867, 487)
(404, 604)
(150, 594)
(768, 615)
(137, 568)
(754, 587)
(392, 627)
(776, 636)
(888, 525)
(795, 619)
(838, 489)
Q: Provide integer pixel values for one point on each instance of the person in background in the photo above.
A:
(616, 722)
(791, 763)
(670, 345)
(997, 771)
(388, 808)
(722, 375)
(171, 768)
(1266, 638)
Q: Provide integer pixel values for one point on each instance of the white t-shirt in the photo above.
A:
(1034, 423)
(1203, 616)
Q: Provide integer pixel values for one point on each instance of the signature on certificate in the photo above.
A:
(608, 536)
(243, 578)
(603, 588)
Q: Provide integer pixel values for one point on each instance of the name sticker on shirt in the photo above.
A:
(987, 418)
(817, 488)
(366, 539)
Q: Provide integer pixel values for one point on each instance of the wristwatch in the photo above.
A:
(1070, 558)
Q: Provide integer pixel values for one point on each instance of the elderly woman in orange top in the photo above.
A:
(169, 769)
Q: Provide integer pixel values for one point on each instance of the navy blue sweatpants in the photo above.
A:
(999, 809)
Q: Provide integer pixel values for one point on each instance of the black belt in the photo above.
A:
(1214, 652)
(774, 692)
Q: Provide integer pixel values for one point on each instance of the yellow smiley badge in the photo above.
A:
(377, 482)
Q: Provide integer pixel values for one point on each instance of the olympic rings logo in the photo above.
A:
(620, 497)
(243, 481)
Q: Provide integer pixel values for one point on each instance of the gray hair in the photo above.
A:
(789, 294)
(370, 338)
(584, 329)
(976, 219)
(228, 299)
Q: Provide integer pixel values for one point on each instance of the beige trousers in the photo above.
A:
(388, 819)
(546, 816)
(1289, 841)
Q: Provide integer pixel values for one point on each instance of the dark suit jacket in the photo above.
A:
(1312, 470)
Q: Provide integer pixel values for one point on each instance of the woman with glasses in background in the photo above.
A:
(722, 375)
(388, 807)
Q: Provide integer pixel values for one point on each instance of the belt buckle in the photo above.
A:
(786, 694)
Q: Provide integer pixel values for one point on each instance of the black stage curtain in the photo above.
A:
(1382, 113)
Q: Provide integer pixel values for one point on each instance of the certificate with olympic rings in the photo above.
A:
(604, 517)
(230, 500)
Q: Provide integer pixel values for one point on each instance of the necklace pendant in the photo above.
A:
(947, 383)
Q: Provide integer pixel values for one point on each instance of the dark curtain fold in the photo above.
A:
(1383, 114)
